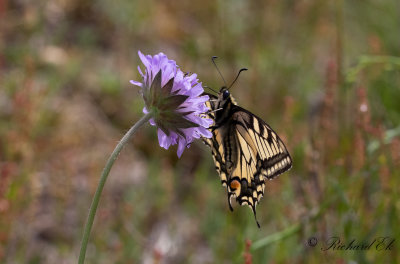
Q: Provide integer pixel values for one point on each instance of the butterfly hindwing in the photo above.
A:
(262, 156)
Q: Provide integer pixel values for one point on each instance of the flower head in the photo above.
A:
(175, 100)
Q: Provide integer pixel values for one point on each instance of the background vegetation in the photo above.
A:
(324, 74)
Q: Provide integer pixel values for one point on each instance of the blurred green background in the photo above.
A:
(323, 74)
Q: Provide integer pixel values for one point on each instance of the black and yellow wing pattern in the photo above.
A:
(245, 149)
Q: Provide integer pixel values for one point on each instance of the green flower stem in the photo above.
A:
(104, 175)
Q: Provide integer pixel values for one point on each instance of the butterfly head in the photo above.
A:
(224, 96)
(225, 93)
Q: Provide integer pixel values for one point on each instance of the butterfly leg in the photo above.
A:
(212, 128)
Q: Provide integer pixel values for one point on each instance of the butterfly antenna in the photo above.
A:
(205, 86)
(237, 76)
(220, 74)
(216, 110)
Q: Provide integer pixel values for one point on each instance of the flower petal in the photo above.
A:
(140, 71)
(181, 146)
(163, 140)
(144, 60)
(136, 83)
(151, 121)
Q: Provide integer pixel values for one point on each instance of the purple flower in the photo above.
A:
(175, 100)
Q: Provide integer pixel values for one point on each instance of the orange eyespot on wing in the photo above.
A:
(234, 184)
